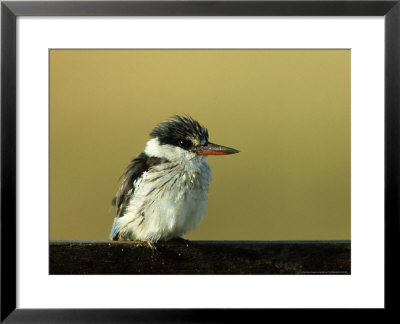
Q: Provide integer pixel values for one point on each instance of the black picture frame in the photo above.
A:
(10, 10)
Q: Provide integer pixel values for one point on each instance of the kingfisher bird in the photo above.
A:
(163, 191)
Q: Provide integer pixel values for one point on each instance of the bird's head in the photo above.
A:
(182, 137)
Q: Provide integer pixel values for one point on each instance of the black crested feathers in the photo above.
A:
(180, 131)
(134, 170)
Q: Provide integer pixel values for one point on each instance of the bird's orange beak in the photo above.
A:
(214, 149)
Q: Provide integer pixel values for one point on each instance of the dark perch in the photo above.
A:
(200, 257)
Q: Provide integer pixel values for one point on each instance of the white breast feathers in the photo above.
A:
(169, 200)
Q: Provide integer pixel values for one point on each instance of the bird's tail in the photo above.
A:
(114, 235)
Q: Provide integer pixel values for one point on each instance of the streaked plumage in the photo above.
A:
(163, 191)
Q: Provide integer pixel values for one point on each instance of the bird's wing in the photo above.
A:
(134, 170)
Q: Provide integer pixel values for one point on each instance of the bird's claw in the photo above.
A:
(147, 244)
(151, 245)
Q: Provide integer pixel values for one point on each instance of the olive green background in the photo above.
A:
(287, 111)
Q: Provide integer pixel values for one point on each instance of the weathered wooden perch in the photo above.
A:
(200, 257)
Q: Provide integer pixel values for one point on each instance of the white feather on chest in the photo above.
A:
(170, 199)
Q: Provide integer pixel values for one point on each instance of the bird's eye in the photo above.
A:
(185, 144)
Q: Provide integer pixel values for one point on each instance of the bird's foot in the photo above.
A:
(151, 245)
(147, 244)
